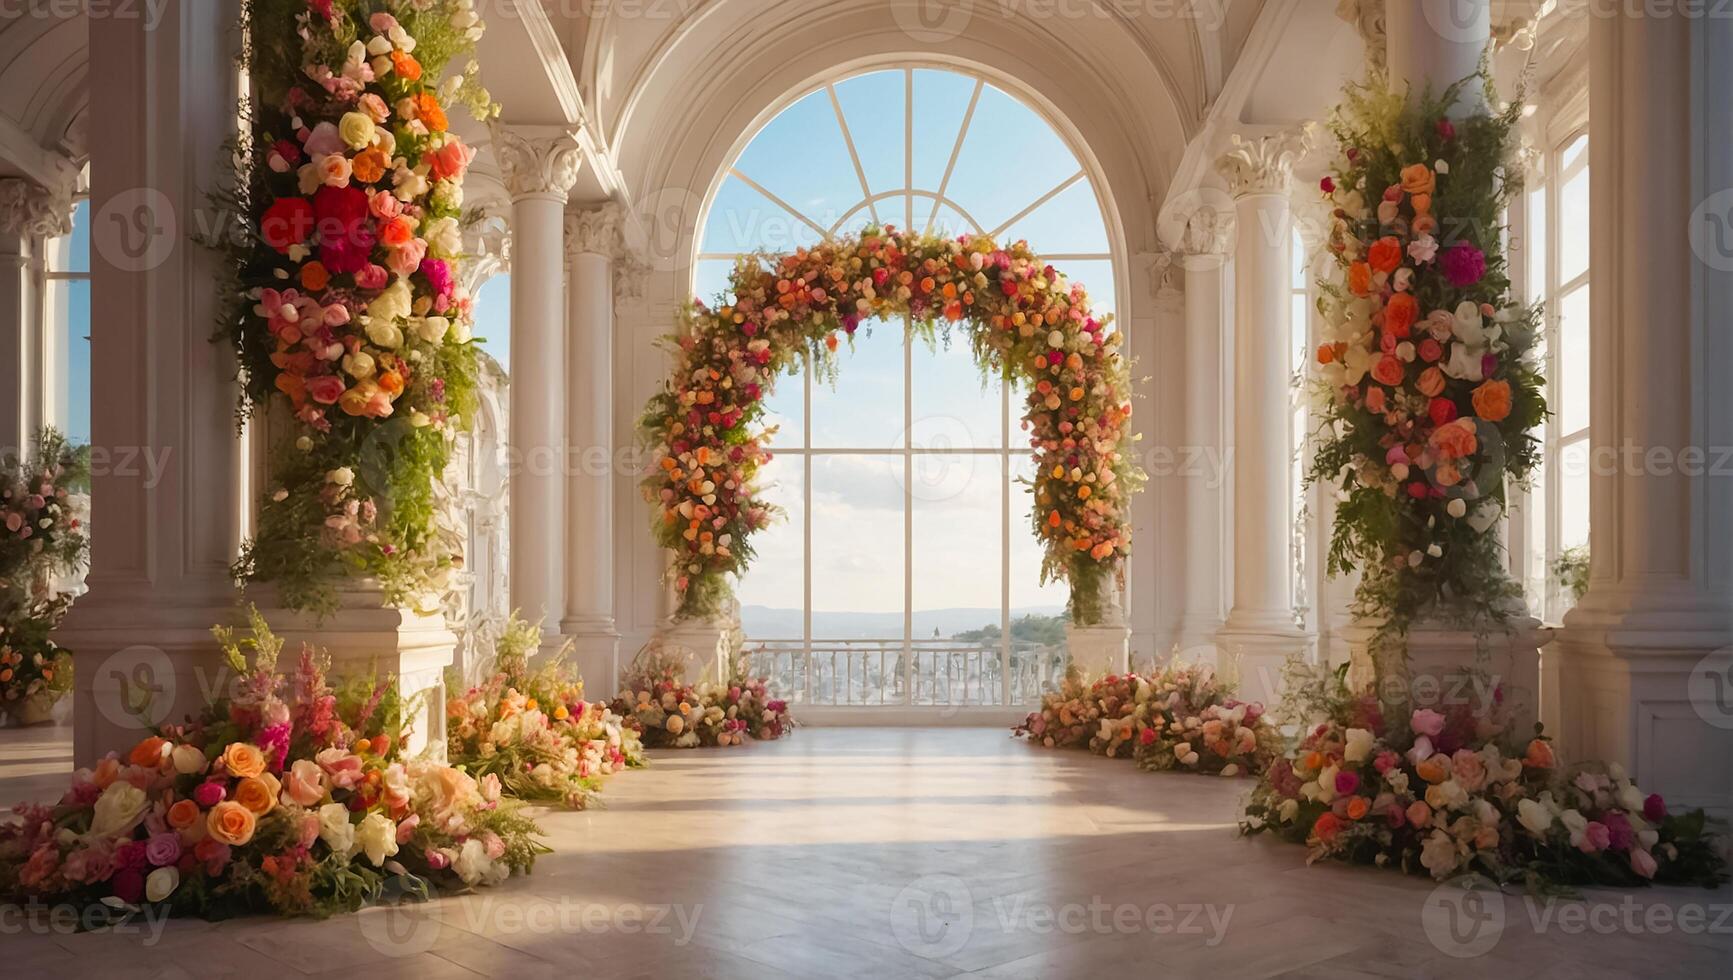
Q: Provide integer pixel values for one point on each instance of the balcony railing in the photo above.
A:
(902, 673)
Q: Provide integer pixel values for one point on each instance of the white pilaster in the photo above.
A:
(1435, 44)
(539, 166)
(1203, 459)
(1645, 662)
(592, 242)
(166, 532)
(1260, 633)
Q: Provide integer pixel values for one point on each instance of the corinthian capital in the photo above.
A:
(594, 231)
(537, 161)
(1264, 165)
(32, 209)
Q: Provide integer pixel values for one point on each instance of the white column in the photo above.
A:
(539, 165)
(1203, 458)
(1646, 659)
(1260, 633)
(30, 214)
(592, 242)
(166, 507)
(1437, 43)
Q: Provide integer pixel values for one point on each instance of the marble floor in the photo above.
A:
(888, 853)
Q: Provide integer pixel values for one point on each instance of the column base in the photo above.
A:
(1439, 665)
(1197, 637)
(1251, 655)
(595, 655)
(707, 646)
(1656, 697)
(366, 638)
(1097, 651)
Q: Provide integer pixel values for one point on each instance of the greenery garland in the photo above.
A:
(1427, 377)
(1025, 323)
(346, 309)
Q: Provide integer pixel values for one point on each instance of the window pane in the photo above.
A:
(1573, 495)
(1038, 652)
(493, 319)
(857, 546)
(75, 256)
(1573, 361)
(772, 593)
(873, 105)
(1534, 576)
(952, 408)
(864, 407)
(958, 534)
(800, 157)
(1299, 333)
(1534, 242)
(1574, 151)
(69, 308)
(1574, 227)
(742, 219)
(941, 99)
(1005, 129)
(1070, 222)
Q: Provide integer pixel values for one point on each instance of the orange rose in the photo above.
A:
(1388, 370)
(406, 67)
(1419, 179)
(1360, 279)
(1539, 754)
(1326, 353)
(1431, 382)
(1357, 807)
(149, 752)
(183, 814)
(1422, 203)
(1435, 769)
(258, 793)
(231, 823)
(369, 165)
(1492, 401)
(1385, 255)
(106, 772)
(243, 759)
(1455, 440)
(428, 110)
(315, 277)
(1400, 314)
(397, 231)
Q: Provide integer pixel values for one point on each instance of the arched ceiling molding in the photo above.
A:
(44, 92)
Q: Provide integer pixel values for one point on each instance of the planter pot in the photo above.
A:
(38, 710)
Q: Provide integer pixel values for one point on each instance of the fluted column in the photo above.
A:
(539, 165)
(1203, 256)
(592, 242)
(1646, 659)
(1260, 632)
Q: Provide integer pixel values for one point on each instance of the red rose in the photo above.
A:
(345, 231)
(1442, 410)
(288, 221)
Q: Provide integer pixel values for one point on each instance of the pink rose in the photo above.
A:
(344, 768)
(1643, 863)
(437, 859)
(304, 782)
(372, 277)
(1596, 837)
(406, 258)
(406, 828)
(384, 206)
(375, 107)
(209, 793)
(163, 849)
(326, 389)
(1427, 722)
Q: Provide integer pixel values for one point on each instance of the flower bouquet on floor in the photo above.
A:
(1181, 717)
(289, 796)
(531, 732)
(44, 508)
(1451, 791)
(668, 712)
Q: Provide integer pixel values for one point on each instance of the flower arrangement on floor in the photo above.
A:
(532, 732)
(1181, 717)
(1427, 370)
(1453, 792)
(44, 514)
(347, 306)
(1024, 321)
(288, 796)
(670, 713)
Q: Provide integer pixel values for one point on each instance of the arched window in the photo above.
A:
(906, 572)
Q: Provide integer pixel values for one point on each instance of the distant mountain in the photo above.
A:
(763, 622)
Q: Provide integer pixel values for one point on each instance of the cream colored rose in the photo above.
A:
(117, 810)
(444, 238)
(357, 130)
(395, 303)
(335, 829)
(377, 838)
(188, 759)
(359, 365)
(1359, 745)
(161, 884)
(384, 333)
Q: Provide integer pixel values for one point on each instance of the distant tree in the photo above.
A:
(1031, 628)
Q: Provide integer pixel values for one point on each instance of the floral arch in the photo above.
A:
(1023, 320)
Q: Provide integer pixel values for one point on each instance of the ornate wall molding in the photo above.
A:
(1264, 165)
(1367, 17)
(487, 243)
(537, 161)
(631, 273)
(594, 231)
(29, 208)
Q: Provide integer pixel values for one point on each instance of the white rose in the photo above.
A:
(1327, 783)
(360, 365)
(335, 829)
(384, 333)
(432, 329)
(448, 194)
(377, 838)
(1359, 745)
(1288, 811)
(380, 44)
(342, 476)
(117, 810)
(472, 862)
(1534, 816)
(357, 130)
(188, 760)
(1438, 854)
(161, 884)
(444, 238)
(392, 304)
